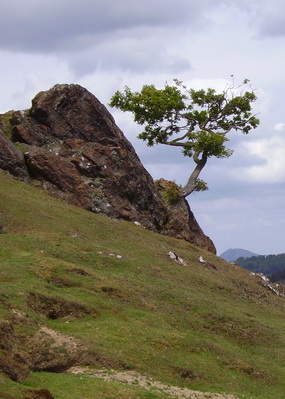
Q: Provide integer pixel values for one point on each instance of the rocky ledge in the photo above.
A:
(69, 142)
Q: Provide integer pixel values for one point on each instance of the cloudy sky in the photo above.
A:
(104, 45)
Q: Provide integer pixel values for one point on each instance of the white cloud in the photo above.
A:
(279, 126)
(269, 159)
(23, 77)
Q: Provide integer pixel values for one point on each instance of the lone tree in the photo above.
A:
(198, 121)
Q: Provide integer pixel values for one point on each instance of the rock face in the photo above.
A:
(11, 158)
(70, 143)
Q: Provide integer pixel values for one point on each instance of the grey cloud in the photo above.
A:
(139, 60)
(63, 25)
(137, 50)
(267, 17)
(272, 24)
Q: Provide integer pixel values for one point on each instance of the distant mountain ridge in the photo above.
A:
(273, 266)
(266, 264)
(234, 253)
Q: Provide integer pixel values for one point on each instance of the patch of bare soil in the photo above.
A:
(6, 396)
(13, 366)
(62, 282)
(115, 293)
(27, 346)
(12, 363)
(38, 394)
(53, 351)
(42, 349)
(55, 308)
(79, 271)
(58, 338)
(134, 378)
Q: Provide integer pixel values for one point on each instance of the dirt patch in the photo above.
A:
(62, 282)
(55, 308)
(6, 396)
(42, 349)
(243, 367)
(80, 272)
(12, 363)
(6, 330)
(115, 293)
(14, 367)
(38, 394)
(134, 378)
(53, 351)
(58, 339)
(186, 374)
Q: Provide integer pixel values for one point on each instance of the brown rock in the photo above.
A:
(181, 222)
(57, 175)
(11, 158)
(77, 152)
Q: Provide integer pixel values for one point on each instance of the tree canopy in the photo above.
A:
(198, 121)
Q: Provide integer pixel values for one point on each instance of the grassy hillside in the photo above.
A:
(84, 297)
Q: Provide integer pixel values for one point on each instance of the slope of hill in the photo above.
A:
(95, 307)
(233, 254)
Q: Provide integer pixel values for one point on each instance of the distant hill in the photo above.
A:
(273, 265)
(233, 254)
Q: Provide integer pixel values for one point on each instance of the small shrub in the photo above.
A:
(170, 191)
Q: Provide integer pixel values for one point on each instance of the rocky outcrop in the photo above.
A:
(69, 142)
(11, 158)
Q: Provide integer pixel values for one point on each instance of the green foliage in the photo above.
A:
(198, 121)
(277, 276)
(5, 124)
(201, 185)
(266, 264)
(203, 116)
(171, 193)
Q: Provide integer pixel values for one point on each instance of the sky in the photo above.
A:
(105, 45)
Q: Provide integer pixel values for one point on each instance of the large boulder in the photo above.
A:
(74, 148)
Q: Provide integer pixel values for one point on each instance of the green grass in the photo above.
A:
(214, 331)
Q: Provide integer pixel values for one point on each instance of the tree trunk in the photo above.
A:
(192, 183)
